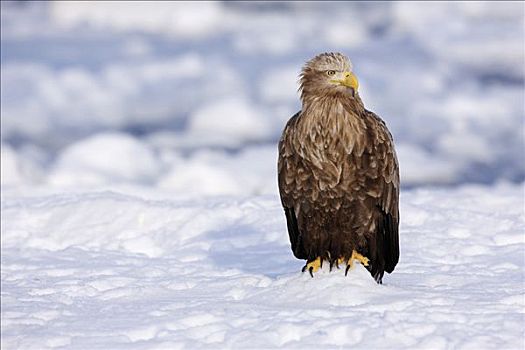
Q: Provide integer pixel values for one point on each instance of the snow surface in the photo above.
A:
(139, 205)
(122, 270)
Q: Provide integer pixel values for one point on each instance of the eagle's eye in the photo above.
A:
(330, 72)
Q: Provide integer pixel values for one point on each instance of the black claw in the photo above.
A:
(347, 268)
(337, 263)
(304, 269)
(331, 265)
(311, 271)
(321, 263)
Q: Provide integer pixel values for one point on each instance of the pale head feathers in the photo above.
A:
(318, 75)
(329, 61)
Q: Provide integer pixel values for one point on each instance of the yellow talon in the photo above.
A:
(356, 256)
(313, 266)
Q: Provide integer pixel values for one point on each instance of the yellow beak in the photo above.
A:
(350, 80)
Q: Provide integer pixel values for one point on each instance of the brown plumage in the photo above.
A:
(338, 172)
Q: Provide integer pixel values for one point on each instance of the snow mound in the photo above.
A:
(106, 158)
(229, 120)
(218, 173)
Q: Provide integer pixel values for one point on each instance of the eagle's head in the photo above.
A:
(328, 74)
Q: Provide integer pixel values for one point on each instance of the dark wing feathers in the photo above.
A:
(293, 232)
(391, 242)
(387, 235)
(291, 219)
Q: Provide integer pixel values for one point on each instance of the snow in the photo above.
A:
(105, 158)
(231, 119)
(139, 201)
(215, 172)
(117, 270)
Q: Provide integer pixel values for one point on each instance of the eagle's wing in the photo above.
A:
(285, 177)
(389, 227)
(387, 201)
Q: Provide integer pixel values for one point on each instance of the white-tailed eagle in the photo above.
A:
(338, 174)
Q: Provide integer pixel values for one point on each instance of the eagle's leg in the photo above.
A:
(356, 256)
(313, 266)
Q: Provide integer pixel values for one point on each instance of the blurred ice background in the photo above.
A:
(192, 97)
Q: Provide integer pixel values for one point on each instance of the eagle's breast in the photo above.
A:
(326, 136)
